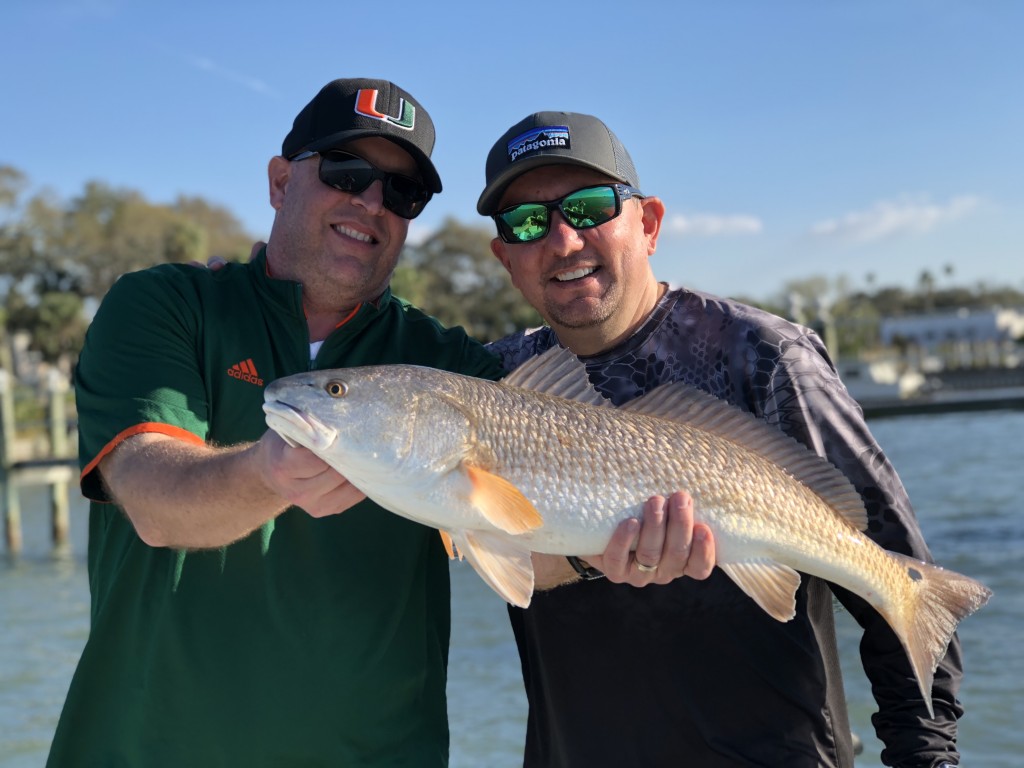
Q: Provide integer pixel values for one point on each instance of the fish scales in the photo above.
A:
(603, 465)
(541, 463)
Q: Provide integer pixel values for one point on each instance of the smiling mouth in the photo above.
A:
(576, 274)
(355, 235)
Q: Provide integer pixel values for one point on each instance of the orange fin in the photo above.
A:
(501, 503)
(503, 564)
(770, 584)
(449, 546)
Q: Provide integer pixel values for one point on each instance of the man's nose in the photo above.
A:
(562, 236)
(372, 198)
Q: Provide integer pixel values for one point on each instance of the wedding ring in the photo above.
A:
(645, 568)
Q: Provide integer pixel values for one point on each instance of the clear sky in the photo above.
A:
(787, 139)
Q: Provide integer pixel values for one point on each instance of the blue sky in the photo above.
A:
(787, 139)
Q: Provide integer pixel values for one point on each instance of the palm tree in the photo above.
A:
(926, 283)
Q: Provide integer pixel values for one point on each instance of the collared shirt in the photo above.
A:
(311, 641)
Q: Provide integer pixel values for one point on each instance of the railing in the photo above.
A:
(55, 468)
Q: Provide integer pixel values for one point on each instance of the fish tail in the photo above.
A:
(939, 600)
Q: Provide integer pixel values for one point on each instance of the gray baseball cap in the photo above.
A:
(553, 138)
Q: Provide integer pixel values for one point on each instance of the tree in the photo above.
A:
(12, 182)
(56, 323)
(221, 231)
(454, 276)
(14, 242)
(55, 258)
(110, 232)
(184, 241)
(926, 286)
(858, 324)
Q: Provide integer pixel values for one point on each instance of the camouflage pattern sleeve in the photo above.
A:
(805, 398)
(781, 372)
(516, 348)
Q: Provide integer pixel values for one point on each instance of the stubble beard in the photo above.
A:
(330, 280)
(577, 315)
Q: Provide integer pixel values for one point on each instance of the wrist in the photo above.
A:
(586, 571)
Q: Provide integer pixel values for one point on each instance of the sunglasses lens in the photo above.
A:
(590, 207)
(524, 223)
(346, 172)
(404, 196)
(583, 209)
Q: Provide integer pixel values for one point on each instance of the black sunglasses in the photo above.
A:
(403, 195)
(583, 209)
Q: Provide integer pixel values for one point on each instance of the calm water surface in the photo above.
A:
(964, 472)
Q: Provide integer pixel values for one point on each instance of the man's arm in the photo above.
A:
(808, 402)
(178, 494)
(668, 541)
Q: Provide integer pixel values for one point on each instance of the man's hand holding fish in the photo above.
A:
(665, 545)
(303, 479)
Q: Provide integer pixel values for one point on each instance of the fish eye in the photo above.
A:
(336, 388)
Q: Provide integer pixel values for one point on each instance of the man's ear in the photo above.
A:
(278, 172)
(500, 250)
(653, 214)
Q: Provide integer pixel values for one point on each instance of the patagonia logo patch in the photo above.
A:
(536, 139)
(366, 105)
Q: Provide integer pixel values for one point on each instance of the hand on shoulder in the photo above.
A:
(216, 262)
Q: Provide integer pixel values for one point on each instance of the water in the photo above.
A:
(963, 472)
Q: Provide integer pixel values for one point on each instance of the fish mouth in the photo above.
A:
(296, 427)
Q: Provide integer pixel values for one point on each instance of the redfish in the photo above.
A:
(541, 462)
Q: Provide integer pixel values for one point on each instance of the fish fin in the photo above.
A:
(697, 409)
(500, 502)
(504, 565)
(556, 372)
(941, 598)
(772, 585)
(449, 546)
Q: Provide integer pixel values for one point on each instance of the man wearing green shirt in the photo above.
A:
(236, 618)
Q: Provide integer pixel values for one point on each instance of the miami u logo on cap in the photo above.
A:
(366, 105)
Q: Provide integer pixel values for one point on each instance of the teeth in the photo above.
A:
(583, 272)
(352, 233)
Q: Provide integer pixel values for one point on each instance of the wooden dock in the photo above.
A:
(56, 470)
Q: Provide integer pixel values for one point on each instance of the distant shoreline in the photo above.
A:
(1002, 398)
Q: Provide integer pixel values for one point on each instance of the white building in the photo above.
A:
(968, 335)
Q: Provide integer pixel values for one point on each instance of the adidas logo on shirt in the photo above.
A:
(246, 371)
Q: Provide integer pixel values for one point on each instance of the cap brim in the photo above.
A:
(490, 198)
(426, 166)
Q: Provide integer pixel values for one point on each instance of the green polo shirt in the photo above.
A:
(312, 642)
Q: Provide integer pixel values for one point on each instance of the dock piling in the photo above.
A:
(54, 471)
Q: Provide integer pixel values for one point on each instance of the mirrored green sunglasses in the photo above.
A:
(583, 209)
